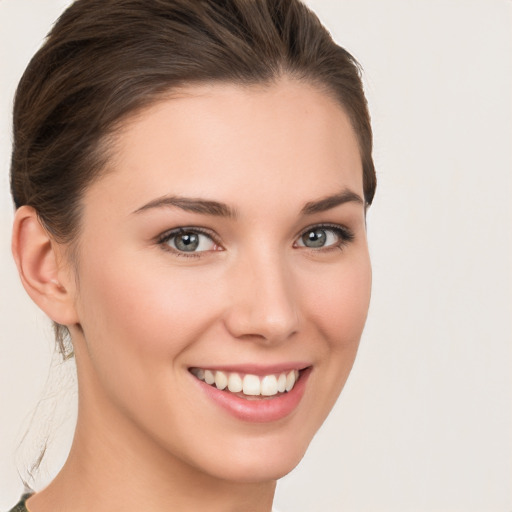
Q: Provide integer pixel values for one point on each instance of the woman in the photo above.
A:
(191, 182)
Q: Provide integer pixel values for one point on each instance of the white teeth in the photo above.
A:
(290, 380)
(221, 380)
(281, 383)
(250, 385)
(209, 377)
(235, 384)
(269, 385)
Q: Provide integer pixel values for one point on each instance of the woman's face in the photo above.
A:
(226, 241)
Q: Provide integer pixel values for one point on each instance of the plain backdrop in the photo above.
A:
(425, 421)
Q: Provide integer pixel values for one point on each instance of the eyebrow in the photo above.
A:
(209, 207)
(322, 205)
(190, 204)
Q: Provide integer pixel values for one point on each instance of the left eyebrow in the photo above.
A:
(322, 205)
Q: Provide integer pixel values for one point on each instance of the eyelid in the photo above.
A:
(164, 237)
(346, 235)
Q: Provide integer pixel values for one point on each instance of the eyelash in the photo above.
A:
(169, 235)
(344, 235)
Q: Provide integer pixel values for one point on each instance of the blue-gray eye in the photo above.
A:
(318, 237)
(190, 241)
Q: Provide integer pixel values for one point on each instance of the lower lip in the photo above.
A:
(259, 410)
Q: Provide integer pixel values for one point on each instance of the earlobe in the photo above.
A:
(40, 266)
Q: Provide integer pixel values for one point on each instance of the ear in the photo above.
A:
(43, 269)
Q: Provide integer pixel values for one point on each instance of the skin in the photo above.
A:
(141, 315)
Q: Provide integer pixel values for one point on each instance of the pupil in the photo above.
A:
(187, 242)
(314, 238)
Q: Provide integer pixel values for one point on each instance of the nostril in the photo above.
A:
(263, 306)
(265, 332)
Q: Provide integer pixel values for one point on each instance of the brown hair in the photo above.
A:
(106, 59)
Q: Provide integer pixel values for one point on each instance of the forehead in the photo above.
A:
(237, 144)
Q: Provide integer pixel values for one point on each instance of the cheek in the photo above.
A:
(338, 311)
(340, 301)
(139, 322)
(145, 305)
(138, 319)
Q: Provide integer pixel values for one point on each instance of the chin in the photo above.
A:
(257, 460)
(259, 471)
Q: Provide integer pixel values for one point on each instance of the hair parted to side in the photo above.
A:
(106, 59)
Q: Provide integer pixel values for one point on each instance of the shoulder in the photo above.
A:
(20, 507)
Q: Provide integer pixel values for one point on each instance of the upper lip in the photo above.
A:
(255, 369)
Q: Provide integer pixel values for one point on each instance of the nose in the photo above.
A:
(262, 300)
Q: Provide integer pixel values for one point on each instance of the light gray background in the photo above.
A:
(425, 421)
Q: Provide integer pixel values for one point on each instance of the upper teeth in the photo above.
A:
(251, 385)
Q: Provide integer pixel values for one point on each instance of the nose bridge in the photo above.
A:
(263, 302)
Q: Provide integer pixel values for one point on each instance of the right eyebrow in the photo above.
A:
(191, 204)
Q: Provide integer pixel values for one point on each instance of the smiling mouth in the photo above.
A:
(249, 386)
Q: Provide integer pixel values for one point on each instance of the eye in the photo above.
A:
(185, 240)
(318, 237)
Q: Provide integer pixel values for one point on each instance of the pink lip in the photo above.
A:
(260, 410)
